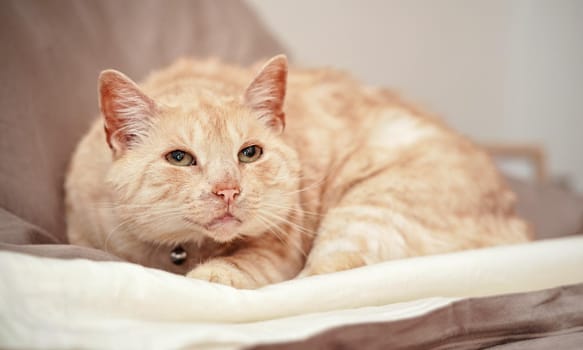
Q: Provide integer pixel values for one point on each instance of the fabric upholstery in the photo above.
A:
(84, 304)
(552, 211)
(551, 318)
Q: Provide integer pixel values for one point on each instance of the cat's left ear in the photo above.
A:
(125, 108)
(266, 93)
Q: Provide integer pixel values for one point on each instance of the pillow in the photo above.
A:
(553, 212)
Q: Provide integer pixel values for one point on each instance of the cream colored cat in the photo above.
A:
(203, 170)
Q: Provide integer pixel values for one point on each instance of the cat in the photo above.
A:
(206, 158)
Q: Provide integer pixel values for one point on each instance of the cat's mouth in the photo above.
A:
(227, 219)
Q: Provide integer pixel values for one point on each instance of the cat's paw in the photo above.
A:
(223, 272)
(330, 263)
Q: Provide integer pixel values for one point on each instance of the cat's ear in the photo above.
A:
(125, 108)
(266, 93)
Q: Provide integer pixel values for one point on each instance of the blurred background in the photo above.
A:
(507, 73)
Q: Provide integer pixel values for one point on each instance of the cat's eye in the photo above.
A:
(250, 154)
(180, 158)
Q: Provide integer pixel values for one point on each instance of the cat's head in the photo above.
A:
(190, 162)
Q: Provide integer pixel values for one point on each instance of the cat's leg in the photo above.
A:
(364, 222)
(259, 261)
(356, 235)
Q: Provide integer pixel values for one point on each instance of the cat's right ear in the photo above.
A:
(266, 93)
(125, 108)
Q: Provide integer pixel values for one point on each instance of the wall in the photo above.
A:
(496, 70)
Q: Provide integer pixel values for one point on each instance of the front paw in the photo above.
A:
(223, 272)
(340, 261)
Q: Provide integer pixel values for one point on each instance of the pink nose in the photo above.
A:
(228, 194)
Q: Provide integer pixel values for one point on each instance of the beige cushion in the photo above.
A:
(553, 212)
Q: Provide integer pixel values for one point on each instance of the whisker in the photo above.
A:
(294, 209)
(307, 188)
(139, 206)
(271, 226)
(290, 177)
(314, 182)
(110, 234)
(293, 224)
(146, 219)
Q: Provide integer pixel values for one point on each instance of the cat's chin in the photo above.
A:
(224, 234)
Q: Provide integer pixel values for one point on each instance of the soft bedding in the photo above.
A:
(547, 319)
(52, 303)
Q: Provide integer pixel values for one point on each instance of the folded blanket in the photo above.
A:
(54, 303)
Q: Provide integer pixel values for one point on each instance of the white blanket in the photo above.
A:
(51, 303)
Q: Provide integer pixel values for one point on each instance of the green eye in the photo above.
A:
(250, 154)
(180, 158)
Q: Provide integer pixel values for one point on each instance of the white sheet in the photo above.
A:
(84, 304)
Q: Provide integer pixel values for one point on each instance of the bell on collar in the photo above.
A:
(178, 255)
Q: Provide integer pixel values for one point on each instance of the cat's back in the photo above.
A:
(331, 104)
(349, 132)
